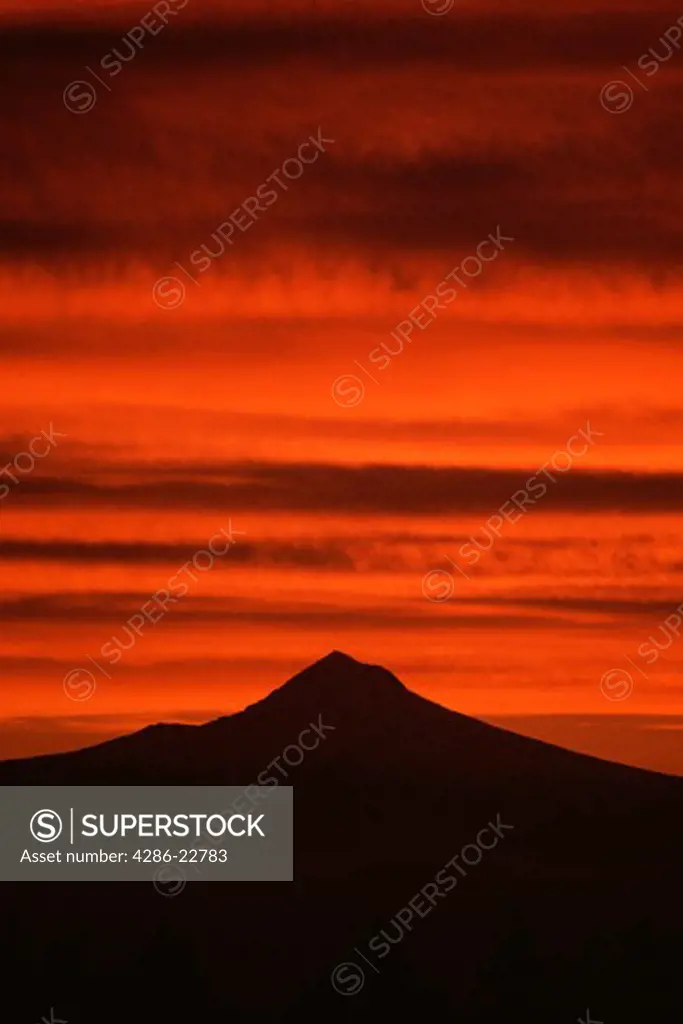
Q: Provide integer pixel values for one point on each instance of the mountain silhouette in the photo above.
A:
(576, 906)
(377, 722)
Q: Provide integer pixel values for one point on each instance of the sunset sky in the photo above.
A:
(243, 403)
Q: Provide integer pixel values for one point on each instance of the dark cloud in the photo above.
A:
(524, 41)
(38, 669)
(282, 553)
(314, 487)
(558, 202)
(114, 608)
(645, 607)
(134, 180)
(113, 611)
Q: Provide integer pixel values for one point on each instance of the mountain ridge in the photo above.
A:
(387, 789)
(373, 711)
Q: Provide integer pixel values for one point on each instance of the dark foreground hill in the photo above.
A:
(576, 906)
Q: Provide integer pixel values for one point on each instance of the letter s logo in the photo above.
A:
(46, 826)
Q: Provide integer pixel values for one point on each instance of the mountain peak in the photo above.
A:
(338, 680)
(342, 668)
(338, 658)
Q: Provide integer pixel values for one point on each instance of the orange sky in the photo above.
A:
(177, 421)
